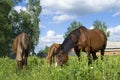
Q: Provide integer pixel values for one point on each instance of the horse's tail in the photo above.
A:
(14, 45)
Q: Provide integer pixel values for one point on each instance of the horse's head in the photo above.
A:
(69, 43)
(61, 57)
(20, 65)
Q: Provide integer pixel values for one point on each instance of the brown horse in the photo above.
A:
(21, 47)
(51, 53)
(90, 41)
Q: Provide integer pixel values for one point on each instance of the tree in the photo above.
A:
(102, 26)
(5, 26)
(12, 23)
(34, 8)
(28, 21)
(45, 51)
(74, 25)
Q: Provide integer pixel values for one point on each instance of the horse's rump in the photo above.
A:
(97, 39)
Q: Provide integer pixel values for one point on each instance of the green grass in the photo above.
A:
(37, 69)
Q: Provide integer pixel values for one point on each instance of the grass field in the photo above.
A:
(37, 69)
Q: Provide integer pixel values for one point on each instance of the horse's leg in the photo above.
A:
(53, 58)
(89, 58)
(102, 53)
(88, 55)
(94, 55)
(25, 56)
(77, 51)
(49, 59)
(25, 61)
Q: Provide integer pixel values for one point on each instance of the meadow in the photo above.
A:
(37, 69)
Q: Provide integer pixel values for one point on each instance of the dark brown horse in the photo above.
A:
(51, 53)
(90, 41)
(21, 47)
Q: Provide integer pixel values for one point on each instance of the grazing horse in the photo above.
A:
(21, 47)
(51, 53)
(89, 41)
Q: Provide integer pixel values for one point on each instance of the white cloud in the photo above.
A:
(91, 27)
(46, 12)
(25, 1)
(59, 8)
(19, 8)
(47, 40)
(80, 7)
(62, 18)
(41, 26)
(114, 33)
(116, 14)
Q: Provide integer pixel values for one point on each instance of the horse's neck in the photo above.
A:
(68, 47)
(51, 50)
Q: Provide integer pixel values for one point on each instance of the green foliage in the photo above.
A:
(102, 26)
(5, 27)
(74, 25)
(38, 69)
(45, 50)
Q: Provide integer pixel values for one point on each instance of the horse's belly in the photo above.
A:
(96, 48)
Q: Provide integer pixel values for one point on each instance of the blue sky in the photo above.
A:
(57, 15)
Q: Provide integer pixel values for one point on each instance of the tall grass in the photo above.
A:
(37, 69)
